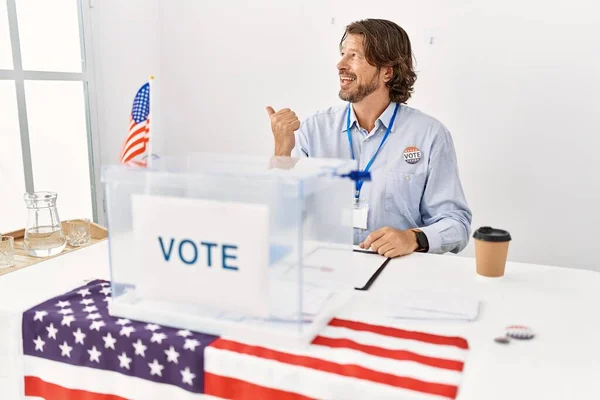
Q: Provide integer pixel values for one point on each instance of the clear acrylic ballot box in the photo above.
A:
(226, 245)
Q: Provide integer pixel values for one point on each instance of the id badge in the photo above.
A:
(360, 214)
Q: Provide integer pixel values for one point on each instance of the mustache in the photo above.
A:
(346, 73)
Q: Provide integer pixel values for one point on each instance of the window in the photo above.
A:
(45, 133)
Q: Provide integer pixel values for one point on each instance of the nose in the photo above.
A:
(342, 64)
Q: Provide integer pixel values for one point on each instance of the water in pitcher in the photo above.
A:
(44, 236)
(44, 241)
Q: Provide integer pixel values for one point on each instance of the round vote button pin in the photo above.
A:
(519, 332)
(412, 155)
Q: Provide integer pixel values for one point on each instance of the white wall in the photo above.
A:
(515, 81)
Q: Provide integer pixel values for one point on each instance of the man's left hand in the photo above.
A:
(390, 242)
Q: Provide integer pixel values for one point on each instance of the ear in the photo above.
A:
(388, 73)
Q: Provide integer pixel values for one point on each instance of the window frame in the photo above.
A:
(18, 75)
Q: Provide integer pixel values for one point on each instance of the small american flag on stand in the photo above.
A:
(137, 143)
(74, 350)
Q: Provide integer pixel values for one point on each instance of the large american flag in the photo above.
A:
(136, 144)
(73, 349)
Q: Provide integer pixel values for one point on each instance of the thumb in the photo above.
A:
(270, 111)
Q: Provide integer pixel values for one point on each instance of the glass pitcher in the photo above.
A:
(44, 236)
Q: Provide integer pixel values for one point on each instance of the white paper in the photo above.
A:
(237, 284)
(428, 305)
(338, 265)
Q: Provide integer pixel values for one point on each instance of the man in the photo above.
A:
(415, 200)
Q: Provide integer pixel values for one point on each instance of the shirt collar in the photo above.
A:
(383, 120)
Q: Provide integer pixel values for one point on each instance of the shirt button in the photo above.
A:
(367, 139)
(407, 177)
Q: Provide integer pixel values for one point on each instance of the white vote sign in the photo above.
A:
(202, 252)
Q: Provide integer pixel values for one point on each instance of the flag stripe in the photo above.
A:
(393, 343)
(230, 388)
(388, 353)
(349, 370)
(142, 134)
(37, 387)
(401, 333)
(102, 381)
(139, 130)
(136, 151)
(309, 382)
(130, 147)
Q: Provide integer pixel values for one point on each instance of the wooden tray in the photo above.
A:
(23, 260)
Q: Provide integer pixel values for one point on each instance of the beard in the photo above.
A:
(362, 91)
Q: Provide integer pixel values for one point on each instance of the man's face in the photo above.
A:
(358, 78)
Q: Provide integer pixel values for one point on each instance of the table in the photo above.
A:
(561, 305)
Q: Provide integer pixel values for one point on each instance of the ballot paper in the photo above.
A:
(424, 304)
(338, 266)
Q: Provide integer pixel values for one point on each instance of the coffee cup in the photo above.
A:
(491, 251)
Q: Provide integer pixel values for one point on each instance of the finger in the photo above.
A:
(392, 253)
(379, 243)
(283, 111)
(270, 111)
(372, 237)
(385, 248)
(295, 125)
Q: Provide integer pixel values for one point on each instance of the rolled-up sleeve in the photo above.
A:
(445, 214)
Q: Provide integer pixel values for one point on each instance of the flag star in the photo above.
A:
(51, 331)
(155, 368)
(86, 301)
(79, 336)
(89, 309)
(94, 316)
(124, 361)
(127, 330)
(62, 304)
(123, 321)
(140, 348)
(84, 292)
(191, 344)
(39, 344)
(172, 355)
(105, 291)
(65, 350)
(158, 337)
(187, 376)
(109, 341)
(94, 354)
(67, 319)
(96, 325)
(104, 284)
(184, 333)
(66, 311)
(39, 315)
(152, 327)
(107, 299)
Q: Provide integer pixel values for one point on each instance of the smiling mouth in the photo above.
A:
(346, 79)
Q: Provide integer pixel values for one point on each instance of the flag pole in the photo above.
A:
(151, 127)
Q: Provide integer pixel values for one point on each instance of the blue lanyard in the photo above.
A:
(359, 183)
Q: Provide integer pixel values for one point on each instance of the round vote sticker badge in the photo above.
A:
(412, 155)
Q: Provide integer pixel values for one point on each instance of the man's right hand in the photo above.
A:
(283, 124)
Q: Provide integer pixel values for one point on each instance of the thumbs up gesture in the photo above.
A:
(283, 124)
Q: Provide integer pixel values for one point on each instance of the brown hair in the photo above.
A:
(387, 45)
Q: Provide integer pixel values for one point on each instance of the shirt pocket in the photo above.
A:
(403, 192)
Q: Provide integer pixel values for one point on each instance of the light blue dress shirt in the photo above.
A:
(427, 194)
